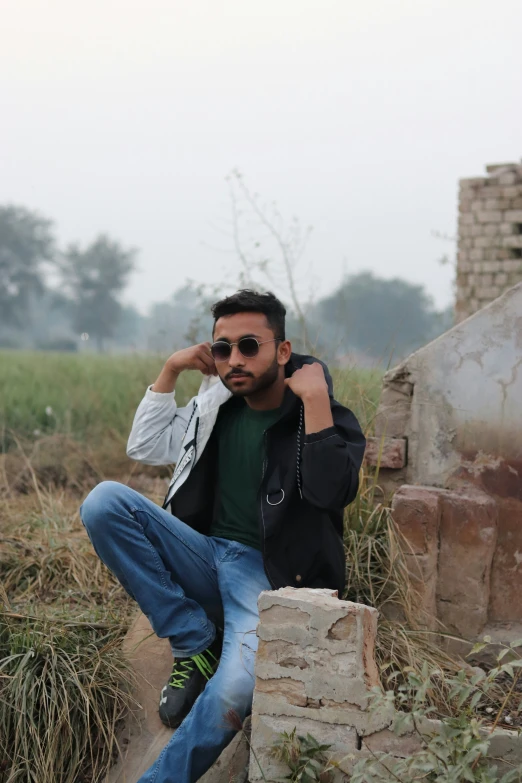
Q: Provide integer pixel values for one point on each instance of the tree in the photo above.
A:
(26, 245)
(383, 318)
(95, 277)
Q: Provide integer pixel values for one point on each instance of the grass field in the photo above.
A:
(89, 396)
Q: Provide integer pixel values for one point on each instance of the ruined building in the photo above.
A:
(489, 237)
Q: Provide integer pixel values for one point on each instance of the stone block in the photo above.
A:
(386, 452)
(473, 182)
(468, 534)
(489, 216)
(267, 731)
(511, 191)
(476, 254)
(482, 242)
(513, 241)
(416, 514)
(321, 679)
(283, 688)
(513, 216)
(509, 178)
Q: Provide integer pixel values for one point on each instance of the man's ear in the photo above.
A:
(284, 351)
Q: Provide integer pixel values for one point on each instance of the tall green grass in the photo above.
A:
(83, 396)
(89, 397)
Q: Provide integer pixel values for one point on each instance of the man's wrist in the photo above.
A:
(316, 396)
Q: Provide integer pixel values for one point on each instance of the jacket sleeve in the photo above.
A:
(331, 460)
(158, 429)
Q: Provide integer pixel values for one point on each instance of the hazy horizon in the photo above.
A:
(359, 119)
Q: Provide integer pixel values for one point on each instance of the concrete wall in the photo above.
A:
(457, 405)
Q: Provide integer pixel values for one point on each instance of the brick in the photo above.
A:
(496, 168)
(345, 628)
(505, 229)
(482, 242)
(468, 533)
(416, 514)
(511, 191)
(486, 280)
(282, 653)
(466, 219)
(491, 229)
(472, 182)
(386, 741)
(386, 452)
(513, 216)
(509, 178)
(497, 203)
(283, 615)
(491, 216)
(512, 265)
(514, 241)
(284, 688)
(476, 254)
(501, 279)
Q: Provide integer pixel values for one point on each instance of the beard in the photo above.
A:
(254, 385)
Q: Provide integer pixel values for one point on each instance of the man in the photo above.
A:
(266, 460)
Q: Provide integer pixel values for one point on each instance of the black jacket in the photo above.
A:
(307, 482)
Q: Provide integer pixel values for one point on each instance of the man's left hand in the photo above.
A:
(309, 381)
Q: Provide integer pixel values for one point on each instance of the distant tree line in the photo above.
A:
(52, 298)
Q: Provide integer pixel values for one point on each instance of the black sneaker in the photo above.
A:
(189, 677)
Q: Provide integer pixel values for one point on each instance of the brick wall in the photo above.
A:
(489, 237)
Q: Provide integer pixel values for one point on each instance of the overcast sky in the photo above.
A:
(359, 117)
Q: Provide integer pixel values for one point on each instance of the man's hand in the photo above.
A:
(310, 385)
(197, 357)
(309, 382)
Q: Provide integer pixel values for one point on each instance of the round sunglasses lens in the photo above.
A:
(220, 351)
(249, 347)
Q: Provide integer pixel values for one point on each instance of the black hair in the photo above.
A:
(247, 301)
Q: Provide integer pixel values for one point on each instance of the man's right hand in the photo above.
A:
(197, 357)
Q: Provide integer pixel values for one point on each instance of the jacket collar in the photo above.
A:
(212, 393)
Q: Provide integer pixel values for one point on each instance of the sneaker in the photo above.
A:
(189, 677)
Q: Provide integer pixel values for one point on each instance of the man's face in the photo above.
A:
(244, 376)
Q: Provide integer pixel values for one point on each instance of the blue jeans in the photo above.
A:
(186, 583)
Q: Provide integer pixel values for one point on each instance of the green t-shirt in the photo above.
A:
(241, 452)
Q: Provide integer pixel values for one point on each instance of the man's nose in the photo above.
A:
(236, 357)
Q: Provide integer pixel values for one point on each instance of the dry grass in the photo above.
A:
(64, 683)
(64, 688)
(377, 576)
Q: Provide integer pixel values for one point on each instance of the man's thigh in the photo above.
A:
(187, 555)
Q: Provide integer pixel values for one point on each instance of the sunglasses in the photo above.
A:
(248, 347)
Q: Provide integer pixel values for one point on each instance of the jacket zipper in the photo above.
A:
(262, 531)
